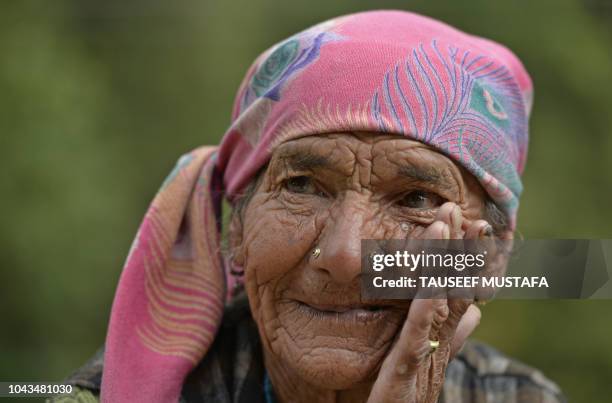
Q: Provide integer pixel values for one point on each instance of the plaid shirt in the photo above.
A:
(233, 372)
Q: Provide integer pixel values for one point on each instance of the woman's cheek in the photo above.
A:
(276, 240)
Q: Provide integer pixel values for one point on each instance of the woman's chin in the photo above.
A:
(337, 369)
(331, 349)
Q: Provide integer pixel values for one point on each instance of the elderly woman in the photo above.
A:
(375, 125)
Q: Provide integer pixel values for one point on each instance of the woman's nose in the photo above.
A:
(340, 242)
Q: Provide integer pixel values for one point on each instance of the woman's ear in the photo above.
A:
(504, 245)
(499, 249)
(235, 233)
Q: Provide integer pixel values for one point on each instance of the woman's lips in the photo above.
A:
(341, 308)
(354, 312)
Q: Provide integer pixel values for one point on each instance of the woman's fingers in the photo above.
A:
(412, 371)
(459, 227)
(450, 214)
(447, 224)
(457, 308)
(413, 347)
(468, 322)
(397, 379)
(478, 230)
(436, 230)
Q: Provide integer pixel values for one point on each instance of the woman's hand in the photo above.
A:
(412, 372)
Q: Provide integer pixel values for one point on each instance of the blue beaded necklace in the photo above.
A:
(268, 391)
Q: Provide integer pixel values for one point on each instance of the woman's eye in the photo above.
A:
(419, 199)
(302, 184)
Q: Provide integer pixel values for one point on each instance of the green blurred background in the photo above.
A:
(98, 99)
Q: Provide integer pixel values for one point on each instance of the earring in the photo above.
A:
(316, 252)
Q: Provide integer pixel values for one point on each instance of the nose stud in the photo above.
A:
(316, 252)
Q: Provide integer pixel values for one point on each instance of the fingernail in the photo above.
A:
(486, 231)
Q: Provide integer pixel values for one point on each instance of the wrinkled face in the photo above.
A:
(331, 191)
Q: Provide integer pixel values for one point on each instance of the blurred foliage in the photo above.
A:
(98, 99)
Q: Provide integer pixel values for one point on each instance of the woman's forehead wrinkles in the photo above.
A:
(324, 151)
(406, 159)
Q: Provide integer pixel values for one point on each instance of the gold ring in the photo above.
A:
(433, 346)
(316, 252)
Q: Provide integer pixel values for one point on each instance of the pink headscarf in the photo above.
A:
(378, 71)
